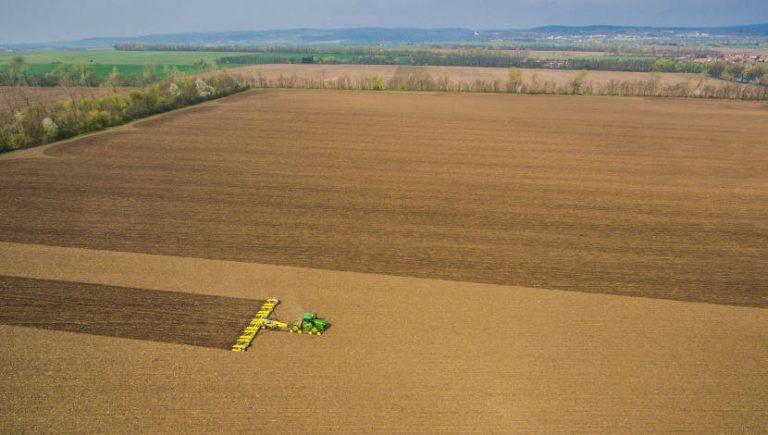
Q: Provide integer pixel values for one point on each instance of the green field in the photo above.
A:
(127, 62)
(115, 57)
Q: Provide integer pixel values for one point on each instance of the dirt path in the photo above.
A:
(405, 354)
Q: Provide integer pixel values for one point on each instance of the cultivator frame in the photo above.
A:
(255, 325)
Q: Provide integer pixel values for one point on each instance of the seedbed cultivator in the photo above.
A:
(309, 324)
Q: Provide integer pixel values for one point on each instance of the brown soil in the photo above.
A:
(170, 117)
(657, 198)
(317, 72)
(404, 355)
(169, 317)
(405, 71)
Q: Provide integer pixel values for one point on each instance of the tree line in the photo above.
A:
(35, 124)
(580, 84)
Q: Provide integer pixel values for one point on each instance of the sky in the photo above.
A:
(60, 20)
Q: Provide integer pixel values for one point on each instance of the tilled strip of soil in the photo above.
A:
(171, 317)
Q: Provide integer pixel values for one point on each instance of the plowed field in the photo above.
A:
(660, 198)
(490, 263)
(404, 355)
(170, 317)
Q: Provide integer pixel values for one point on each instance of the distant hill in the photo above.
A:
(276, 37)
(750, 30)
(759, 30)
(301, 36)
(378, 35)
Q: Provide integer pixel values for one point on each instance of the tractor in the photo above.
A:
(309, 324)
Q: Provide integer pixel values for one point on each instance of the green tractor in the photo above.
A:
(309, 324)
